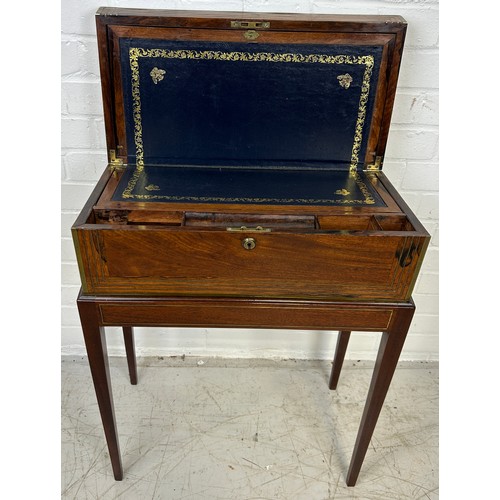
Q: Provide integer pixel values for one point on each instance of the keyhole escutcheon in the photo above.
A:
(249, 243)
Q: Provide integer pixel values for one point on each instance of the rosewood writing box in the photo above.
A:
(245, 184)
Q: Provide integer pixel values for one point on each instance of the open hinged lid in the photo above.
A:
(247, 90)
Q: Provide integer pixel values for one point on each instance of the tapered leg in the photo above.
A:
(338, 359)
(128, 337)
(388, 355)
(95, 342)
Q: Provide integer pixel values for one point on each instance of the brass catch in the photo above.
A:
(244, 229)
(250, 24)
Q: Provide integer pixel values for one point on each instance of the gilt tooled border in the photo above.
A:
(368, 198)
(136, 52)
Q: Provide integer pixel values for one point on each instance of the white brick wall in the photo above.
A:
(411, 163)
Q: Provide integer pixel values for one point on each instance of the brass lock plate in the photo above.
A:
(257, 229)
(251, 24)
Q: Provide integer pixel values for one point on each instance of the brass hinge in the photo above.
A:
(113, 160)
(375, 166)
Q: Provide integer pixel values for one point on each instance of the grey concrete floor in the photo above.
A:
(217, 428)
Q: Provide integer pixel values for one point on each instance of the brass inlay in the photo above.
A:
(157, 75)
(116, 310)
(342, 192)
(345, 80)
(152, 187)
(135, 53)
(251, 35)
(250, 24)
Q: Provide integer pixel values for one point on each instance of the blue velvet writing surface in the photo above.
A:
(239, 104)
(265, 186)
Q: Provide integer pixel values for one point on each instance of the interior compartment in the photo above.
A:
(393, 223)
(138, 217)
(236, 221)
(218, 220)
(364, 223)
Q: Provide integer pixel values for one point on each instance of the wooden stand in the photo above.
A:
(393, 319)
